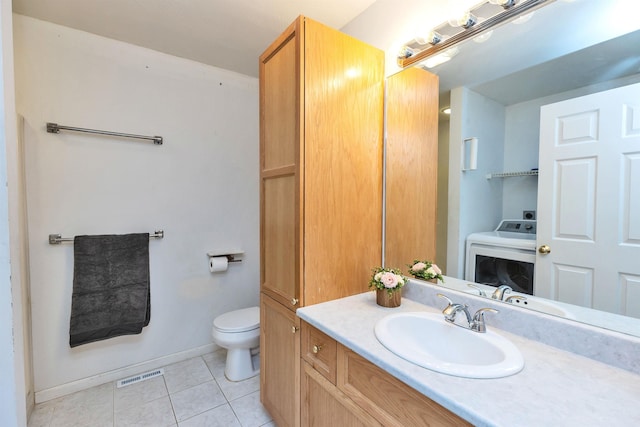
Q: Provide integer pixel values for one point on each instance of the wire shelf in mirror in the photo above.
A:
(510, 174)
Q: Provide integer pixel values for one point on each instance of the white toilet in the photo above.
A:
(239, 332)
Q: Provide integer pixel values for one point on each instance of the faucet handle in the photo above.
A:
(449, 311)
(478, 324)
(446, 298)
(477, 288)
(512, 297)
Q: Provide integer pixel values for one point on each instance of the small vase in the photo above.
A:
(386, 299)
(433, 281)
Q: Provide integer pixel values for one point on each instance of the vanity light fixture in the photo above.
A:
(477, 20)
(440, 58)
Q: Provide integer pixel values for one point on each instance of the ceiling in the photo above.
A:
(229, 34)
(553, 52)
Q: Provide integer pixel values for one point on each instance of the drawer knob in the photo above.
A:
(294, 301)
(294, 329)
(317, 348)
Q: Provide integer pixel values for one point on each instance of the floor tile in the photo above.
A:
(98, 395)
(222, 416)
(216, 362)
(90, 407)
(41, 416)
(157, 413)
(192, 393)
(233, 390)
(139, 393)
(250, 411)
(183, 375)
(196, 400)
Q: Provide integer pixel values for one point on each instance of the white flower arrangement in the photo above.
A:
(425, 270)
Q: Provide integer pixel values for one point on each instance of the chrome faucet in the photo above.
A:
(476, 323)
(451, 310)
(499, 293)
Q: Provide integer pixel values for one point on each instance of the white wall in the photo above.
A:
(200, 187)
(522, 130)
(522, 135)
(475, 203)
(13, 381)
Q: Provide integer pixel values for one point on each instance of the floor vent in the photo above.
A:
(140, 377)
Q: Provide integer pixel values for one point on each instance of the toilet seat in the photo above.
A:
(242, 320)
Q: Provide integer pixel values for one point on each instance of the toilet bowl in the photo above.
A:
(239, 332)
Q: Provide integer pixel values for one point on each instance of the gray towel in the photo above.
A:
(111, 292)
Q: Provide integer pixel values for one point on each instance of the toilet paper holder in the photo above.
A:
(231, 255)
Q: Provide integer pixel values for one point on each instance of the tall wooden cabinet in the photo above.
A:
(411, 167)
(321, 108)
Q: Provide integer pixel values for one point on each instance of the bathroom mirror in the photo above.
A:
(564, 47)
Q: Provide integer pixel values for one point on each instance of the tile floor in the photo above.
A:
(191, 393)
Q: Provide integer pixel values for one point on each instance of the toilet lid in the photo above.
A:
(241, 320)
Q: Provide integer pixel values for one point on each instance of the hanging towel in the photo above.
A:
(111, 292)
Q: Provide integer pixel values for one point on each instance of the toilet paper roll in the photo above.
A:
(218, 263)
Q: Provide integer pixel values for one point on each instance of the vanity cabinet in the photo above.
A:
(321, 109)
(362, 393)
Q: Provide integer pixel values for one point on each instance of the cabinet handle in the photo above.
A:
(294, 329)
(294, 301)
(317, 348)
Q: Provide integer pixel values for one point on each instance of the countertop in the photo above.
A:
(556, 387)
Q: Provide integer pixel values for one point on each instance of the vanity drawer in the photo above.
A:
(319, 350)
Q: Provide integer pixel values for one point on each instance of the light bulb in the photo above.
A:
(432, 38)
(440, 58)
(523, 18)
(405, 52)
(483, 37)
(465, 21)
(506, 4)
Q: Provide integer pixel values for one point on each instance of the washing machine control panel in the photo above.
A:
(518, 226)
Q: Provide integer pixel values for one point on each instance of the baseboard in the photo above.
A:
(102, 378)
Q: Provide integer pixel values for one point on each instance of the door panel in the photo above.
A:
(590, 217)
(575, 197)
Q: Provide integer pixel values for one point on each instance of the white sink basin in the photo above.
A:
(532, 303)
(542, 306)
(427, 340)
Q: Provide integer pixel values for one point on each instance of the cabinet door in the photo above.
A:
(279, 362)
(343, 104)
(324, 405)
(411, 168)
(280, 168)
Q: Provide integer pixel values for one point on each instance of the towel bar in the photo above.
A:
(56, 128)
(56, 239)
